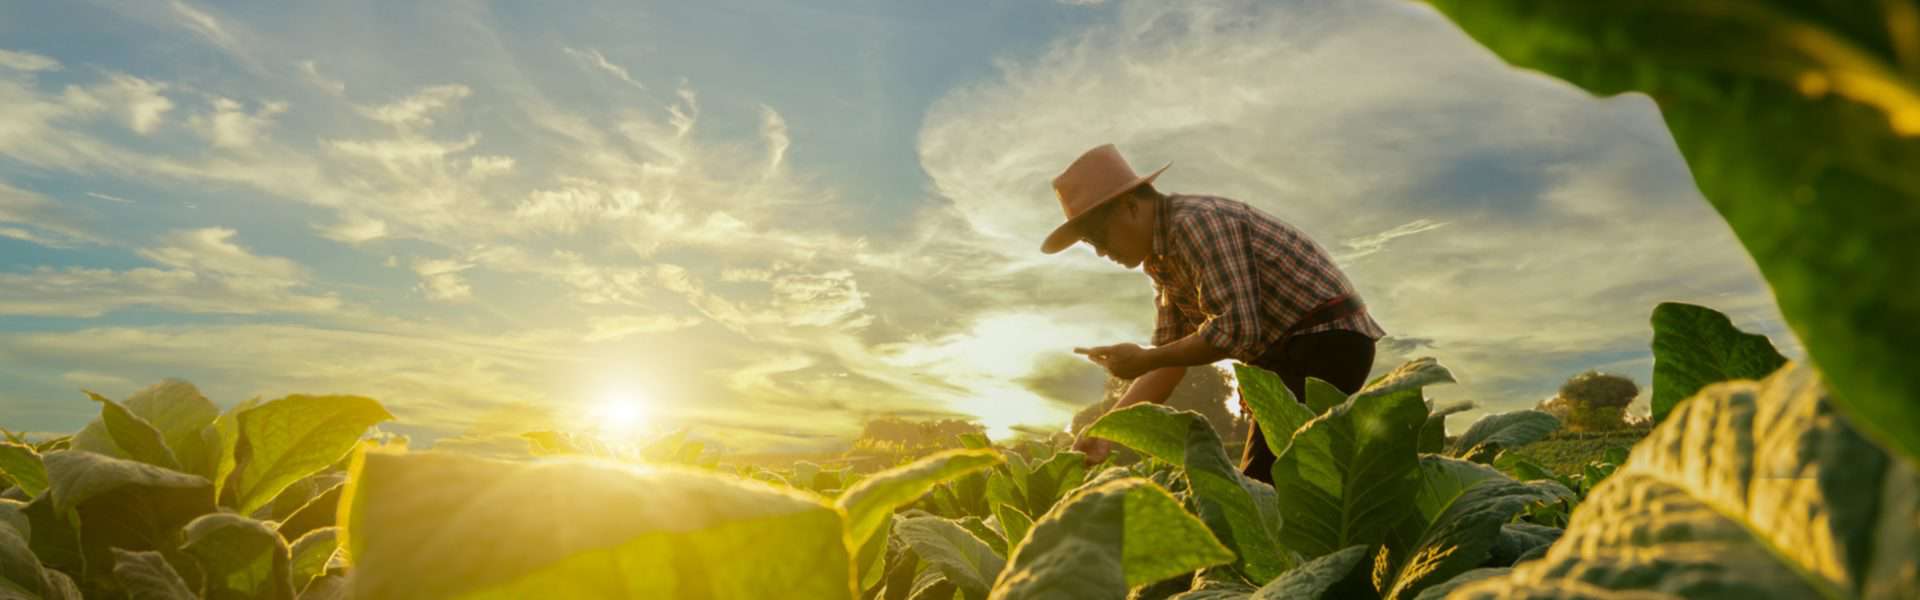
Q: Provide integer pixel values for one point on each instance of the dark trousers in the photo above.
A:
(1339, 357)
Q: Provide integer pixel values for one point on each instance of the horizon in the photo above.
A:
(767, 226)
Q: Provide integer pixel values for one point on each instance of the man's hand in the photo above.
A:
(1095, 448)
(1125, 361)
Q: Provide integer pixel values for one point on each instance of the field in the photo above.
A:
(1762, 477)
(1370, 499)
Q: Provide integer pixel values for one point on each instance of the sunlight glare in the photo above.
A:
(620, 414)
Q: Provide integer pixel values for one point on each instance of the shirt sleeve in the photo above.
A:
(1222, 265)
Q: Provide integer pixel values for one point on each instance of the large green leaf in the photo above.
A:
(1462, 536)
(288, 439)
(1014, 522)
(1484, 440)
(124, 504)
(56, 535)
(1749, 490)
(1519, 541)
(1433, 434)
(1694, 346)
(148, 576)
(1350, 474)
(242, 559)
(318, 512)
(135, 436)
(309, 554)
(434, 525)
(1275, 409)
(20, 571)
(871, 503)
(1103, 540)
(1801, 123)
(961, 557)
(1309, 581)
(1442, 479)
(22, 465)
(1052, 479)
(172, 407)
(223, 438)
(1224, 496)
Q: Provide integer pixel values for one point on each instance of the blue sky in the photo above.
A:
(770, 221)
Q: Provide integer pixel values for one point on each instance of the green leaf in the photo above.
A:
(137, 438)
(431, 525)
(987, 532)
(1313, 578)
(22, 464)
(242, 558)
(1828, 218)
(1463, 535)
(1225, 497)
(1694, 346)
(148, 576)
(172, 407)
(328, 587)
(56, 535)
(1493, 433)
(1409, 377)
(288, 439)
(1443, 479)
(975, 441)
(123, 504)
(13, 514)
(1433, 434)
(1322, 396)
(1749, 490)
(1015, 523)
(308, 555)
(871, 503)
(961, 557)
(1052, 479)
(223, 436)
(1274, 408)
(1350, 475)
(1522, 468)
(1103, 540)
(871, 558)
(317, 513)
(20, 571)
(1442, 590)
(1519, 540)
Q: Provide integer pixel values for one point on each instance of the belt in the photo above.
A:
(1334, 309)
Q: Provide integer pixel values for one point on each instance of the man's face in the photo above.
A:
(1111, 232)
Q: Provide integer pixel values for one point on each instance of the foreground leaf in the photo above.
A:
(134, 435)
(871, 503)
(1462, 536)
(1694, 346)
(1749, 490)
(1275, 409)
(241, 558)
(288, 439)
(1225, 497)
(1103, 540)
(148, 576)
(1487, 437)
(1350, 474)
(1828, 218)
(124, 504)
(22, 465)
(962, 558)
(433, 525)
(20, 571)
(317, 513)
(308, 555)
(175, 409)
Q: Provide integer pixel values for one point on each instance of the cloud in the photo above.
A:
(231, 126)
(310, 70)
(26, 61)
(1364, 245)
(417, 110)
(440, 279)
(599, 61)
(43, 221)
(203, 271)
(618, 327)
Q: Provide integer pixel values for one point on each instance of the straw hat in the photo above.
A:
(1091, 181)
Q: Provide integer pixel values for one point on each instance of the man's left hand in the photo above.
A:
(1125, 361)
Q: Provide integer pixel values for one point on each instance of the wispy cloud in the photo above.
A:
(599, 61)
(1357, 247)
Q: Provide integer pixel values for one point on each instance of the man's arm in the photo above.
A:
(1190, 351)
(1154, 387)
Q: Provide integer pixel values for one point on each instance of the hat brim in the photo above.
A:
(1067, 233)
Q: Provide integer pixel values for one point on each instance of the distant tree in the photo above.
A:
(1593, 401)
(908, 434)
(1205, 390)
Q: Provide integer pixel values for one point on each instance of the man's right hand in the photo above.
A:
(1095, 448)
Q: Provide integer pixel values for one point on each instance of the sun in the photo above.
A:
(620, 413)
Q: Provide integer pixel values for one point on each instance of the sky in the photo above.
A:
(766, 223)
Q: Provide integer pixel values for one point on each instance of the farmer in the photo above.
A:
(1230, 281)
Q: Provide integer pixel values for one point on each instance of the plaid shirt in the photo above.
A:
(1239, 277)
